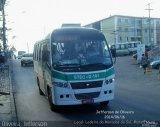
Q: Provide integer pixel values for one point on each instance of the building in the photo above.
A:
(120, 29)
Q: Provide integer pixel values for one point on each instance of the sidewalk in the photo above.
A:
(7, 107)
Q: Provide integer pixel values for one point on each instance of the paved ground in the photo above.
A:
(151, 79)
(7, 109)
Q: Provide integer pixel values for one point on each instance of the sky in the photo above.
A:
(31, 20)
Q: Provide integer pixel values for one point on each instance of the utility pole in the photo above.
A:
(115, 34)
(149, 20)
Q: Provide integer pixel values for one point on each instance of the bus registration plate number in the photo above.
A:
(88, 101)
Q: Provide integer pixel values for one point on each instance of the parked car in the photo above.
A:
(155, 64)
(27, 59)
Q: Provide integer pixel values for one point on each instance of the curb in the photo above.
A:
(13, 104)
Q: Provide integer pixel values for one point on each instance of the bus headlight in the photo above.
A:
(61, 84)
(108, 81)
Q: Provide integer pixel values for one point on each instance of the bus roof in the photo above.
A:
(81, 31)
(73, 32)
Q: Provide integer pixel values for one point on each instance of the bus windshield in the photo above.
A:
(81, 53)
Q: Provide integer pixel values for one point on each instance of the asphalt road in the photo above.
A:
(136, 97)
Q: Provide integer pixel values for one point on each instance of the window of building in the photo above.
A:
(145, 21)
(146, 30)
(146, 38)
(119, 20)
(152, 30)
(151, 21)
(120, 38)
(126, 29)
(139, 31)
(157, 22)
(132, 22)
(126, 20)
(120, 29)
(138, 22)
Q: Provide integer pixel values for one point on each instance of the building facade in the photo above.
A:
(120, 29)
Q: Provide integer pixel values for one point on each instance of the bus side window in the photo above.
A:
(45, 54)
(39, 52)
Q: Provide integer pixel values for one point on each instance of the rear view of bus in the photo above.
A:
(79, 69)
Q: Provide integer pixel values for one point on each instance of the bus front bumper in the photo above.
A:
(68, 99)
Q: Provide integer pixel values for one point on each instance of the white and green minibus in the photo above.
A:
(74, 66)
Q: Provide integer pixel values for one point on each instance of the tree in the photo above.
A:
(13, 49)
(0, 47)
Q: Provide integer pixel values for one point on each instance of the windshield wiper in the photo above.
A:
(71, 64)
(93, 64)
(96, 64)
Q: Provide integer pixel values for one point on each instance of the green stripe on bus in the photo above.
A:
(83, 76)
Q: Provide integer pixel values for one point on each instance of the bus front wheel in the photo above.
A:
(52, 106)
(40, 91)
(105, 103)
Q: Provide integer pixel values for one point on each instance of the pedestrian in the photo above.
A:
(144, 63)
(148, 61)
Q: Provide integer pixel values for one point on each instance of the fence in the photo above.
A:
(4, 80)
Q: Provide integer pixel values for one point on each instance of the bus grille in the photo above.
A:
(87, 95)
(84, 85)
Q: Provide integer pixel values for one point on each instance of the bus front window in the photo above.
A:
(81, 53)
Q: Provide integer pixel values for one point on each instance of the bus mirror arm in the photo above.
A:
(113, 52)
(114, 60)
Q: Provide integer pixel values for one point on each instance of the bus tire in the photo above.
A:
(52, 106)
(105, 103)
(40, 91)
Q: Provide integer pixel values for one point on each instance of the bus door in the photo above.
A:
(46, 67)
(42, 70)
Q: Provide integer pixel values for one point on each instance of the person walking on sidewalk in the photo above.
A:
(144, 62)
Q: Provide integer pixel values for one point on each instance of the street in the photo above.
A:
(136, 97)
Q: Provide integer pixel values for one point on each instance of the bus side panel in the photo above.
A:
(39, 75)
(47, 79)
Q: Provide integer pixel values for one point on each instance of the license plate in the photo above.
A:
(88, 101)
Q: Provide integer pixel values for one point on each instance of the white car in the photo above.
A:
(155, 64)
(27, 59)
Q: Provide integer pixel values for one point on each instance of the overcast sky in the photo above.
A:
(31, 19)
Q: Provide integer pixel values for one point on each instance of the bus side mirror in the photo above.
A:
(45, 56)
(113, 52)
